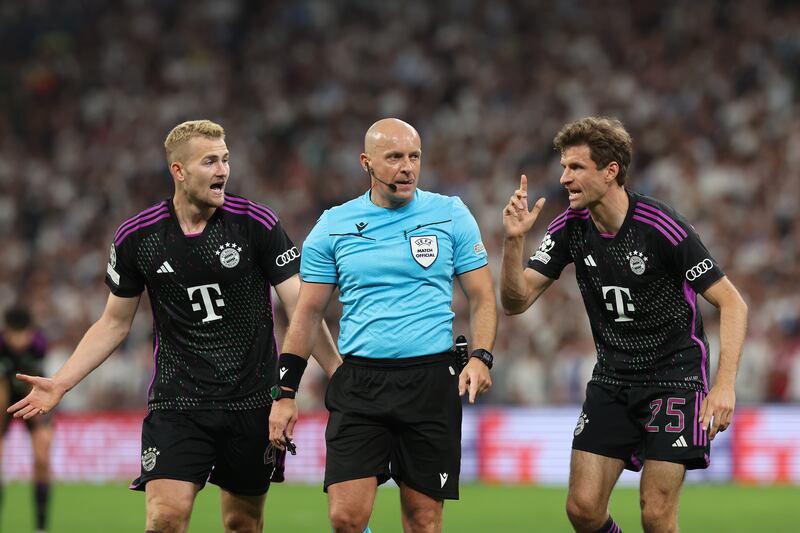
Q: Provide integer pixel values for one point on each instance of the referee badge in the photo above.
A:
(424, 249)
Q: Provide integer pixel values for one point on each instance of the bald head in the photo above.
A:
(388, 131)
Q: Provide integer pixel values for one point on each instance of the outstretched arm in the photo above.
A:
(519, 287)
(721, 400)
(324, 349)
(99, 342)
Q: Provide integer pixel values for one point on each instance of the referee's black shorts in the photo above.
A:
(398, 418)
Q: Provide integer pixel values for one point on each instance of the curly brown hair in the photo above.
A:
(607, 139)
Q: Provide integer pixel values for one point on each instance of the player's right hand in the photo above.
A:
(42, 398)
(517, 220)
(282, 418)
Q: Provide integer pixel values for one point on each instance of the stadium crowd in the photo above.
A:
(709, 90)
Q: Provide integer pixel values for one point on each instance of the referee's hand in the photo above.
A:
(475, 378)
(282, 418)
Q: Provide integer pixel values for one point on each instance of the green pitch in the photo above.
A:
(501, 509)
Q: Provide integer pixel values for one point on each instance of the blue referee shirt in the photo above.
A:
(394, 269)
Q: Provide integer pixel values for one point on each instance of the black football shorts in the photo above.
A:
(227, 448)
(398, 418)
(639, 423)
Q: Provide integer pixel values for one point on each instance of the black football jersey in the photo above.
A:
(214, 343)
(30, 361)
(640, 290)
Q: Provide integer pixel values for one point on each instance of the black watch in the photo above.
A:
(278, 393)
(483, 355)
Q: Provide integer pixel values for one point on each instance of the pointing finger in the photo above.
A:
(523, 183)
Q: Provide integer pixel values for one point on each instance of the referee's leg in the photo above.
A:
(350, 504)
(420, 512)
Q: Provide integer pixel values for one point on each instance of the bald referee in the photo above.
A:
(394, 404)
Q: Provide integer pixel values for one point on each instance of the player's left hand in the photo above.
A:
(716, 412)
(282, 418)
(475, 378)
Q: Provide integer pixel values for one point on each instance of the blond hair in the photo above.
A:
(182, 133)
(606, 138)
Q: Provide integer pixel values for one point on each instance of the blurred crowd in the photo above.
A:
(710, 91)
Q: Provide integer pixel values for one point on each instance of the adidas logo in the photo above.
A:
(680, 443)
(165, 268)
(443, 479)
(589, 260)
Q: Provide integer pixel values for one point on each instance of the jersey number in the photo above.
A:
(655, 407)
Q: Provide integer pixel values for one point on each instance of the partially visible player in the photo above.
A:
(207, 259)
(22, 349)
(640, 267)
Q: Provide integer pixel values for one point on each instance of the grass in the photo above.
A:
(301, 508)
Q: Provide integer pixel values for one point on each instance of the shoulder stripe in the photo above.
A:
(563, 215)
(264, 210)
(574, 215)
(144, 214)
(251, 213)
(143, 223)
(649, 222)
(665, 217)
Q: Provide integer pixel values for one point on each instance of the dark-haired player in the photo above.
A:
(23, 349)
(207, 260)
(640, 267)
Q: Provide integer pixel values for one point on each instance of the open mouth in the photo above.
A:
(218, 187)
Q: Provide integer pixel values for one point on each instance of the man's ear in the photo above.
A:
(612, 169)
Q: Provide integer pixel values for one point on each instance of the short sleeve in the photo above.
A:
(552, 255)
(278, 257)
(318, 264)
(122, 276)
(469, 252)
(694, 262)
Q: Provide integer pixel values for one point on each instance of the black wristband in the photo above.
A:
(483, 355)
(290, 370)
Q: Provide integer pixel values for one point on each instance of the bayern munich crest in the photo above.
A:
(637, 262)
(149, 457)
(229, 254)
(582, 421)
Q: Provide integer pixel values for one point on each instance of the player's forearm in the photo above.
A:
(732, 328)
(99, 342)
(325, 351)
(303, 331)
(513, 287)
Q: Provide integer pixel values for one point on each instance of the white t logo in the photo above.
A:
(207, 303)
(619, 303)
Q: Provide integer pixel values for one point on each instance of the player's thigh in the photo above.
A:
(661, 484)
(169, 501)
(241, 512)
(592, 478)
(242, 464)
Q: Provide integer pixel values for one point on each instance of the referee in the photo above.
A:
(394, 404)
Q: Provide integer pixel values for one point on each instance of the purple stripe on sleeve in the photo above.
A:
(139, 220)
(563, 223)
(264, 210)
(139, 226)
(560, 218)
(664, 217)
(140, 216)
(658, 220)
(669, 237)
(249, 213)
(691, 299)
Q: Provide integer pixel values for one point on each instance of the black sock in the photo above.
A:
(41, 496)
(609, 527)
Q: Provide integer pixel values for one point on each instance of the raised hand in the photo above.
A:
(517, 220)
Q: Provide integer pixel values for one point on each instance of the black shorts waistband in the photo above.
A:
(398, 362)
